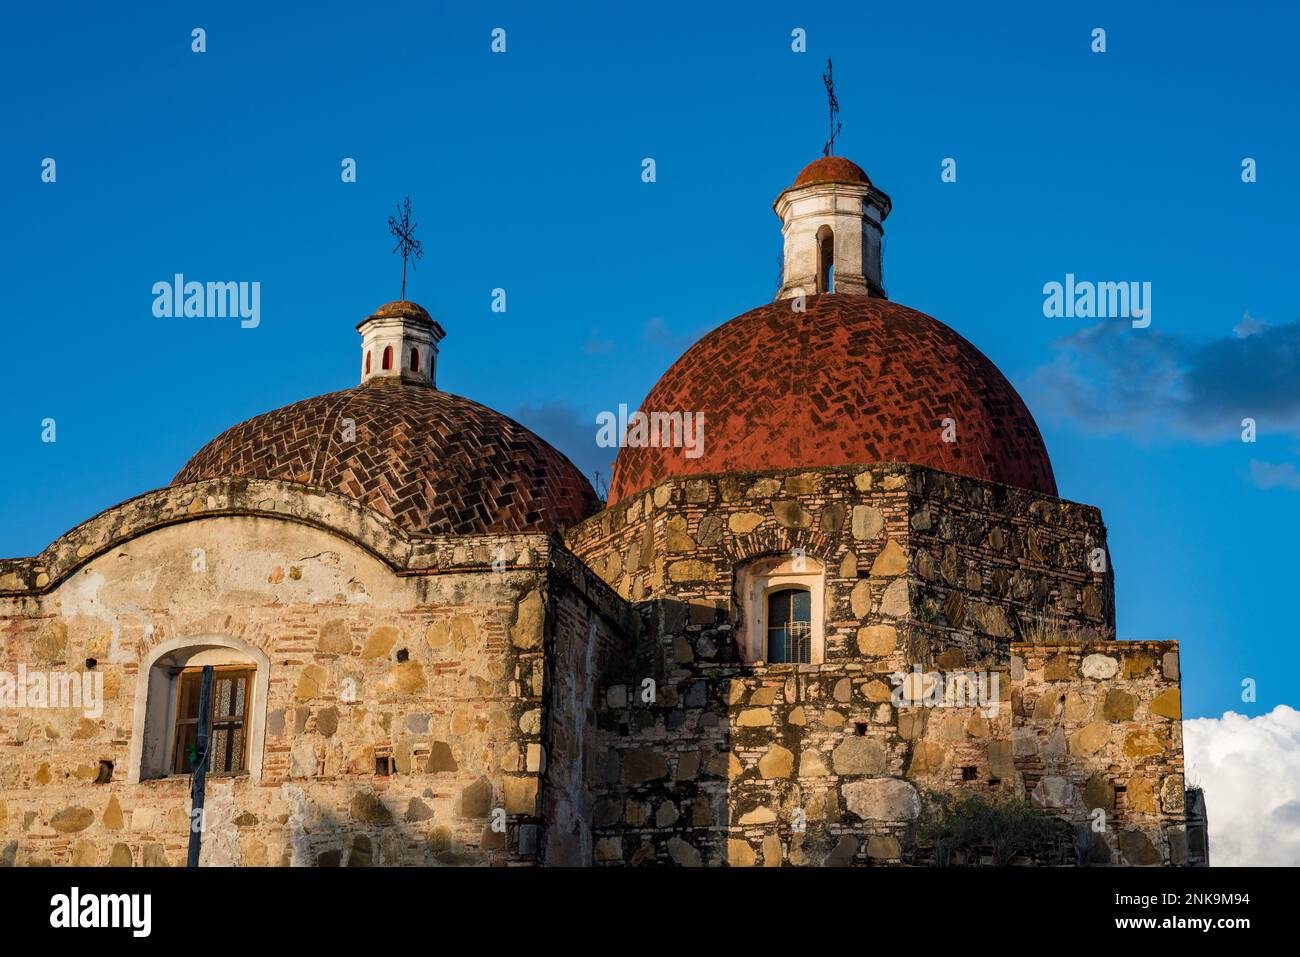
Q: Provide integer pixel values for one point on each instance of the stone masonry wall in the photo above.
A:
(594, 700)
(727, 762)
(1098, 736)
(966, 563)
(994, 563)
(429, 653)
(803, 765)
(588, 635)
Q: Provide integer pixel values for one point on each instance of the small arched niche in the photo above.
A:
(166, 707)
(825, 260)
(781, 610)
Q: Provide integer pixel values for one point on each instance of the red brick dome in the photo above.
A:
(434, 462)
(832, 169)
(852, 381)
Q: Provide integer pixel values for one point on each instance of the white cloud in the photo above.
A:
(1250, 770)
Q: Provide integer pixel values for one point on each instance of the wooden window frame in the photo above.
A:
(244, 722)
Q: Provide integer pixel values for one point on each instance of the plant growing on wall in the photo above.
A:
(966, 830)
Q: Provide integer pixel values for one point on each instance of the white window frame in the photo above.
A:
(757, 580)
(154, 721)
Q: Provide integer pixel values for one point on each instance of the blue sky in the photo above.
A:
(524, 171)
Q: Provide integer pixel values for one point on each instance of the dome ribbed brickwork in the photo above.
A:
(853, 380)
(434, 462)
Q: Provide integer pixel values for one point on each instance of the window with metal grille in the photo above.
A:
(227, 738)
(789, 626)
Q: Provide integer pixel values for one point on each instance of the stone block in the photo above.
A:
(877, 639)
(882, 799)
(867, 522)
(778, 762)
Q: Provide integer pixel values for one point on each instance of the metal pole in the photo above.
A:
(200, 772)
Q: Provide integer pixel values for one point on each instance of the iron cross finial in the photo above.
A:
(410, 248)
(834, 104)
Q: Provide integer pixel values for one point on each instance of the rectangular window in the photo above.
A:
(789, 626)
(227, 738)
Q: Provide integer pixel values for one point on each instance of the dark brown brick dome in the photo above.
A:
(434, 462)
(852, 381)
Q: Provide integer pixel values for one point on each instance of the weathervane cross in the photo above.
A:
(834, 105)
(410, 248)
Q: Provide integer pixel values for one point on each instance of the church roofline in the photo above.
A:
(389, 542)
